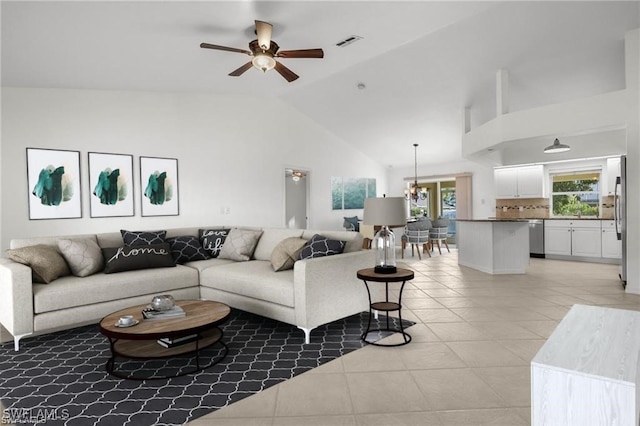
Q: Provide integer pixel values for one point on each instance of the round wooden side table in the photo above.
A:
(401, 275)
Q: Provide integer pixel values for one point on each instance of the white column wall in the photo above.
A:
(231, 151)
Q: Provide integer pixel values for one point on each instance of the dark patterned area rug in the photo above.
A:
(60, 378)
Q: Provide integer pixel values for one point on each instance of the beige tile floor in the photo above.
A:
(468, 362)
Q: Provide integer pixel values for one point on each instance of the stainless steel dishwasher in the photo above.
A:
(536, 238)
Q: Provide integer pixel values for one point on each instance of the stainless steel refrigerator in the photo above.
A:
(620, 215)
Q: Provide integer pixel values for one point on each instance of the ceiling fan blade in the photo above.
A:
(302, 53)
(286, 72)
(241, 70)
(263, 30)
(225, 48)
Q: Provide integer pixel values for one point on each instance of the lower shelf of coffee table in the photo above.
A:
(152, 349)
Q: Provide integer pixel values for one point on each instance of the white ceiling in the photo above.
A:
(422, 62)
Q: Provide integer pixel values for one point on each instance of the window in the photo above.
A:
(575, 193)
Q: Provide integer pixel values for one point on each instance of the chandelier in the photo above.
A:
(416, 193)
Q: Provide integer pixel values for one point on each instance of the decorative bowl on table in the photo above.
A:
(163, 302)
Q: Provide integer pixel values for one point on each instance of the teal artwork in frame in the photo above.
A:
(159, 186)
(53, 178)
(111, 184)
(350, 193)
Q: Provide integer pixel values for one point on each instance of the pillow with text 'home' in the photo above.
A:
(187, 248)
(212, 240)
(130, 258)
(141, 238)
(320, 246)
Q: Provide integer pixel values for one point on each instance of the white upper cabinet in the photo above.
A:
(520, 182)
(613, 171)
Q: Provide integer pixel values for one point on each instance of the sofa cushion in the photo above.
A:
(240, 244)
(320, 246)
(70, 291)
(46, 263)
(129, 258)
(255, 279)
(212, 240)
(201, 265)
(286, 253)
(187, 248)
(83, 256)
(270, 238)
(140, 238)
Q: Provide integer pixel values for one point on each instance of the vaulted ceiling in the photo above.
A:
(420, 62)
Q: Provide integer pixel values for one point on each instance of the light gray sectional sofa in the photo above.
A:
(316, 291)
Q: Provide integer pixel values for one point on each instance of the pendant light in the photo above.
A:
(556, 148)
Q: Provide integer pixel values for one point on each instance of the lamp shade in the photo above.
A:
(556, 148)
(390, 211)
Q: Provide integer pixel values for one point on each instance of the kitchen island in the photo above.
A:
(494, 246)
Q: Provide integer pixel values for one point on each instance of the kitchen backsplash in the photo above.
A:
(607, 207)
(522, 208)
(538, 208)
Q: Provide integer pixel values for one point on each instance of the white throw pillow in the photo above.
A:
(83, 256)
(240, 244)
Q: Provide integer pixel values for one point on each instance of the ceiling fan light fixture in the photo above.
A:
(263, 62)
(556, 148)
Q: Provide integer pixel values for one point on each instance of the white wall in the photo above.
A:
(482, 185)
(231, 151)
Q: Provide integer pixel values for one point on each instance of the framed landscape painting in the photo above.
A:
(53, 177)
(159, 186)
(111, 184)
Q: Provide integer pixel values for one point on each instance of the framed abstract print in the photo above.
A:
(53, 177)
(111, 184)
(159, 186)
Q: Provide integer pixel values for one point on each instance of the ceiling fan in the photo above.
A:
(264, 51)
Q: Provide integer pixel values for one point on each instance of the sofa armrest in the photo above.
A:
(327, 288)
(16, 302)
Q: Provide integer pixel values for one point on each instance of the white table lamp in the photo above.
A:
(385, 212)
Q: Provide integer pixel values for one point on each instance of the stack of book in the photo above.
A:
(169, 342)
(152, 314)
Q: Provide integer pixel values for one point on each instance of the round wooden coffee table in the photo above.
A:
(141, 340)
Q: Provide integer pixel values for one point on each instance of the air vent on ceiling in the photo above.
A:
(349, 40)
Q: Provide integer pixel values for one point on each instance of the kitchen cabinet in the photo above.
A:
(579, 238)
(613, 171)
(611, 246)
(520, 182)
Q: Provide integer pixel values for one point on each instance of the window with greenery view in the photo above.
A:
(575, 194)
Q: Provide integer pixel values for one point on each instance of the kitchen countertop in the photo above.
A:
(493, 220)
(536, 218)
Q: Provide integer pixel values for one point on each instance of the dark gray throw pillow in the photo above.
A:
(212, 240)
(141, 238)
(187, 248)
(129, 258)
(319, 246)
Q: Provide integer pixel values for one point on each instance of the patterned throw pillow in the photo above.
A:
(83, 256)
(187, 248)
(240, 244)
(129, 258)
(46, 263)
(286, 253)
(141, 238)
(212, 240)
(319, 246)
